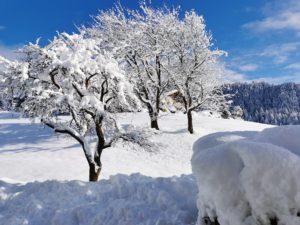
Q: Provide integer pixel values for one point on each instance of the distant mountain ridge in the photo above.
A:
(266, 103)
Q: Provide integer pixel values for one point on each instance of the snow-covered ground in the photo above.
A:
(31, 152)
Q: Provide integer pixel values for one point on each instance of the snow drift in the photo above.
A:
(134, 199)
(249, 177)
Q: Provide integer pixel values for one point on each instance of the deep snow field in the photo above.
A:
(136, 186)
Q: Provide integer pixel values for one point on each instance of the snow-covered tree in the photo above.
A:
(74, 76)
(139, 38)
(193, 64)
(237, 112)
(12, 91)
(159, 50)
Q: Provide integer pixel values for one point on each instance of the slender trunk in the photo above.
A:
(153, 117)
(190, 122)
(154, 124)
(94, 173)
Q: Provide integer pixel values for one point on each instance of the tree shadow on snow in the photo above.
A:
(180, 131)
(14, 134)
(9, 115)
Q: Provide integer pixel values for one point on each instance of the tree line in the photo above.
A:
(266, 103)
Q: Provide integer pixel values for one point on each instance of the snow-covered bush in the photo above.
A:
(249, 177)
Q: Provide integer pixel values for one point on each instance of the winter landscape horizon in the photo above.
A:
(149, 112)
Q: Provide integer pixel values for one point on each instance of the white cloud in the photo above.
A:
(281, 52)
(293, 66)
(248, 67)
(232, 76)
(283, 15)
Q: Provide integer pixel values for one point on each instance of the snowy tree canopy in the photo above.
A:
(12, 76)
(74, 76)
(193, 64)
(139, 38)
(160, 52)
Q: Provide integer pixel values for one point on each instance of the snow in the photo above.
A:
(134, 199)
(249, 177)
(44, 175)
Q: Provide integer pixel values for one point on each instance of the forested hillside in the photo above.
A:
(267, 103)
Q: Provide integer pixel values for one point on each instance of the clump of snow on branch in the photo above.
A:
(249, 177)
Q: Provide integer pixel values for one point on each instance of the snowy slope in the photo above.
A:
(32, 152)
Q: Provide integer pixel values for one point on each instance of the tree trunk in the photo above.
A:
(94, 173)
(207, 221)
(153, 117)
(190, 122)
(154, 124)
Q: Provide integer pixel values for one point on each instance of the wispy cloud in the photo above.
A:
(281, 53)
(232, 76)
(2, 27)
(248, 67)
(283, 15)
(294, 66)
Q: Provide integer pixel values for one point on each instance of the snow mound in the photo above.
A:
(249, 177)
(134, 199)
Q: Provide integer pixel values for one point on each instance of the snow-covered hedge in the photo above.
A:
(249, 177)
(121, 200)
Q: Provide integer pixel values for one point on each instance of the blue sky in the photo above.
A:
(262, 37)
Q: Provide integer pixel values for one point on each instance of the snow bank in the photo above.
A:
(134, 199)
(249, 177)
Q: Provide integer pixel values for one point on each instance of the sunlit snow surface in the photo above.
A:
(249, 177)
